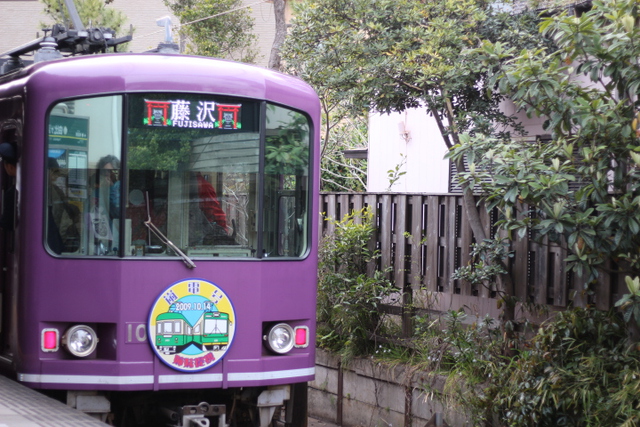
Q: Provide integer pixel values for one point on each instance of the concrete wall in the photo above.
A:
(371, 394)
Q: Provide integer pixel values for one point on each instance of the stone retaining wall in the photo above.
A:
(371, 394)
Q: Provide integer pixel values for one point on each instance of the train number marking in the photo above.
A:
(136, 333)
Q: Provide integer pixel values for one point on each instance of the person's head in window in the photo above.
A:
(108, 169)
(9, 158)
(108, 185)
(54, 168)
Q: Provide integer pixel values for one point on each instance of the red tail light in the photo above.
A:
(302, 336)
(49, 341)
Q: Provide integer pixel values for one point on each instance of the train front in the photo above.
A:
(169, 261)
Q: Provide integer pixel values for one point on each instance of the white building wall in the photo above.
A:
(264, 26)
(19, 23)
(426, 169)
(142, 14)
(532, 125)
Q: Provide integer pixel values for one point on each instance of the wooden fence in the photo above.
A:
(425, 238)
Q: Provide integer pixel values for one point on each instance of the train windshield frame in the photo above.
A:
(157, 175)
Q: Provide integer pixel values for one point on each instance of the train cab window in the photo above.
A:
(160, 175)
(193, 167)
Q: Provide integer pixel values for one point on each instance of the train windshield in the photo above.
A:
(158, 174)
(216, 326)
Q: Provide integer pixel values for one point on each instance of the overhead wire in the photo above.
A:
(178, 26)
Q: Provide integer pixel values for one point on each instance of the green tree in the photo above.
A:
(218, 28)
(342, 131)
(581, 190)
(343, 126)
(390, 55)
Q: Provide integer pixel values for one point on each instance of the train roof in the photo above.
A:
(155, 72)
(170, 316)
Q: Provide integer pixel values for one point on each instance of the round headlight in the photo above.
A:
(280, 338)
(80, 340)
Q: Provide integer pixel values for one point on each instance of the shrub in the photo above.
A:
(348, 297)
(580, 371)
(577, 370)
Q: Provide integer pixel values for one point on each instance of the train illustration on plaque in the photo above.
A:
(192, 325)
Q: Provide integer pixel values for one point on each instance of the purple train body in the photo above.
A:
(161, 196)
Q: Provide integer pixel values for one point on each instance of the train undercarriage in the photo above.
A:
(284, 405)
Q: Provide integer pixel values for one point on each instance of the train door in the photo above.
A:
(10, 131)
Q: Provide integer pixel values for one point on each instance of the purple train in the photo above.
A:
(159, 259)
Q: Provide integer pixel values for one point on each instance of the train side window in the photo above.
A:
(286, 183)
(83, 177)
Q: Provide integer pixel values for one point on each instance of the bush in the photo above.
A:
(348, 297)
(579, 371)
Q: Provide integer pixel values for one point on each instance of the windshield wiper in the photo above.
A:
(151, 226)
